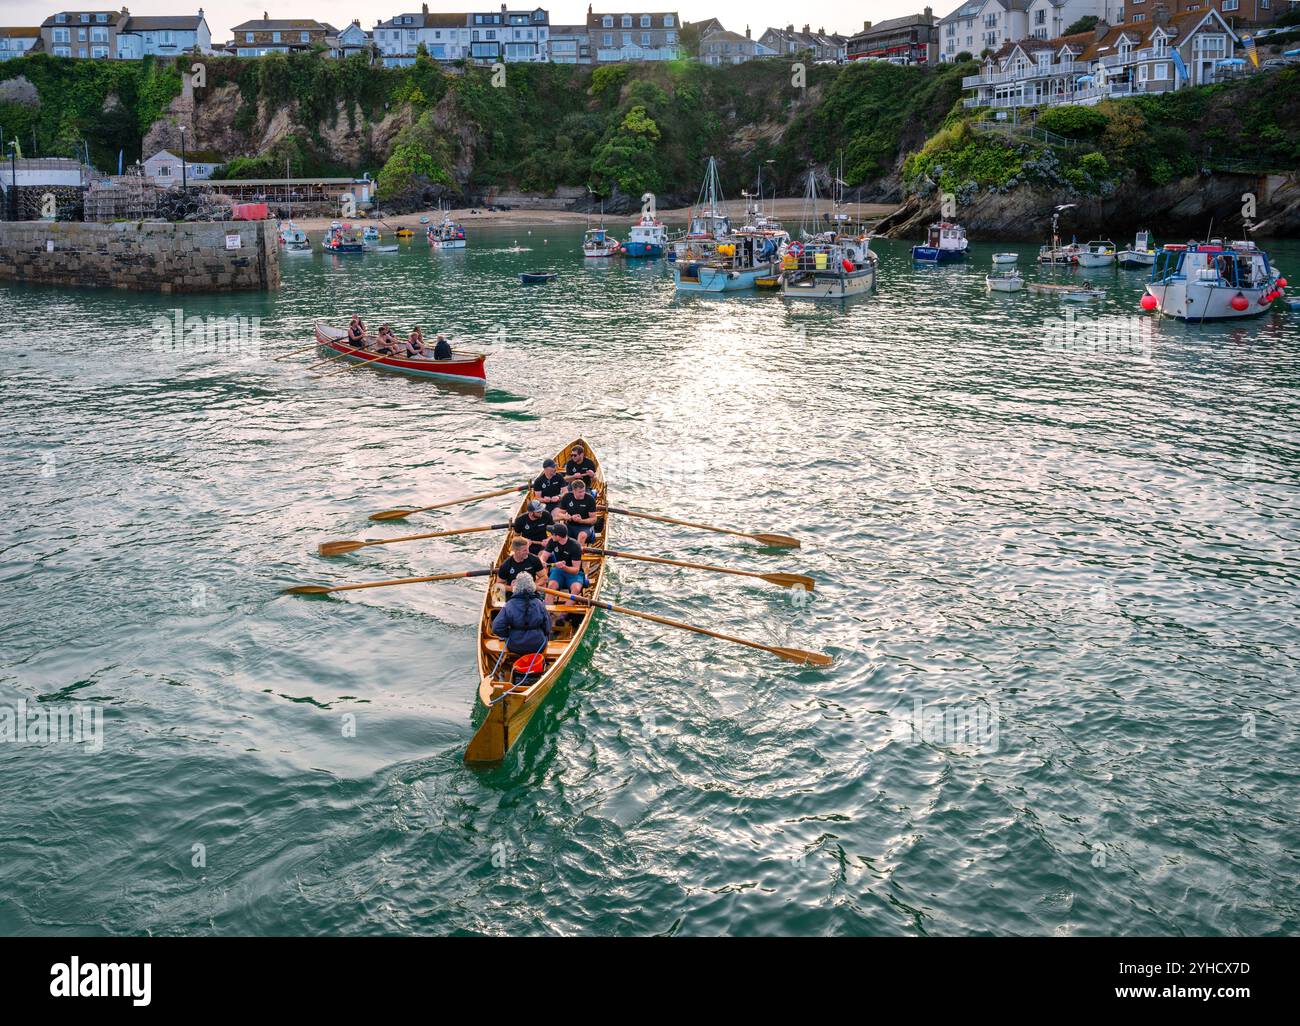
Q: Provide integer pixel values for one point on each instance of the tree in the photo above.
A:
(1085, 24)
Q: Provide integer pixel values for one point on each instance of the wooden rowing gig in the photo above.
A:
(463, 366)
(509, 706)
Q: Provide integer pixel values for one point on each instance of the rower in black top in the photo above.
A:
(520, 561)
(579, 464)
(548, 486)
(442, 348)
(532, 525)
(357, 332)
(577, 508)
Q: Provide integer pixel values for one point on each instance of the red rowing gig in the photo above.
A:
(463, 365)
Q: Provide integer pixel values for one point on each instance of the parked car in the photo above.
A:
(1277, 62)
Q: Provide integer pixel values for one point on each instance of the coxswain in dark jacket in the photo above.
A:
(524, 622)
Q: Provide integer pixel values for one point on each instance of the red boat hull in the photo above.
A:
(462, 366)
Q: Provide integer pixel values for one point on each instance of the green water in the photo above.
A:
(1077, 540)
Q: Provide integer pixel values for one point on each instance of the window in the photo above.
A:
(62, 51)
(81, 35)
(1160, 72)
(1139, 17)
(670, 37)
(1040, 17)
(304, 37)
(164, 170)
(275, 37)
(627, 38)
(62, 19)
(627, 21)
(101, 18)
(645, 38)
(608, 39)
(645, 21)
(608, 21)
(248, 37)
(1229, 5)
(61, 36)
(85, 18)
(668, 21)
(99, 35)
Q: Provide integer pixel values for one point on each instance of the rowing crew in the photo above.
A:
(388, 344)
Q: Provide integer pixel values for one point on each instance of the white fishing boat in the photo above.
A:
(1213, 281)
(1141, 254)
(370, 234)
(826, 265)
(447, 235)
(597, 242)
(1098, 253)
(1004, 281)
(1005, 258)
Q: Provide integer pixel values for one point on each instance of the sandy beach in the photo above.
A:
(785, 209)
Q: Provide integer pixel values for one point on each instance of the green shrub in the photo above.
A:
(1074, 122)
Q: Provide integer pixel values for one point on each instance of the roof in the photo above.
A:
(113, 16)
(179, 22)
(193, 156)
(1089, 46)
(281, 24)
(964, 12)
(568, 30)
(428, 20)
(20, 32)
(724, 36)
(597, 20)
(890, 24)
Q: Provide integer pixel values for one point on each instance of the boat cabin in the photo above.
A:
(1239, 265)
(946, 235)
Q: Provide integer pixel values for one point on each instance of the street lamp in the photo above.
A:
(183, 183)
(13, 185)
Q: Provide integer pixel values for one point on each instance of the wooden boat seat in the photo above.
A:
(553, 648)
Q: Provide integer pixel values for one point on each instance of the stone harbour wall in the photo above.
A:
(148, 256)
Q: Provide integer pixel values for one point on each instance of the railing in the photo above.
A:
(1025, 131)
(1035, 71)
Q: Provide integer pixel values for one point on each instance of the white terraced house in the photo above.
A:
(482, 36)
(980, 25)
(1155, 56)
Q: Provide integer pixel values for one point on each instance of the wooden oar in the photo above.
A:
(794, 655)
(332, 358)
(338, 548)
(294, 352)
(767, 539)
(785, 580)
(354, 366)
(322, 589)
(398, 514)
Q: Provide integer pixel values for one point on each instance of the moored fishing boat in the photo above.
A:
(447, 235)
(598, 243)
(463, 365)
(370, 233)
(1139, 255)
(828, 267)
(945, 242)
(647, 238)
(1098, 253)
(511, 698)
(1054, 252)
(1213, 281)
(293, 239)
(342, 238)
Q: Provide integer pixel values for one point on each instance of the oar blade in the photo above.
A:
(339, 548)
(306, 589)
(791, 580)
(392, 514)
(781, 540)
(798, 655)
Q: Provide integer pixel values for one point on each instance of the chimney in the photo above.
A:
(866, 25)
(747, 35)
(928, 12)
(265, 16)
(1101, 29)
(805, 30)
(789, 28)
(1160, 15)
(424, 8)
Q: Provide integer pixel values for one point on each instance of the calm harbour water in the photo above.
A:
(1076, 539)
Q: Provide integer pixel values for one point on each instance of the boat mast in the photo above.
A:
(809, 202)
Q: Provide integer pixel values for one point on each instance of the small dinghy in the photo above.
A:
(1004, 281)
(1005, 258)
(1072, 293)
(404, 233)
(537, 277)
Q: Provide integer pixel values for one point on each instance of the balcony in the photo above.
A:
(1037, 71)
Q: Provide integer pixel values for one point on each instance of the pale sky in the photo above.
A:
(222, 15)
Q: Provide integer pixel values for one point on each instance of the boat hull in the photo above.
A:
(643, 250)
(447, 243)
(704, 278)
(933, 255)
(508, 712)
(1133, 260)
(461, 367)
(1096, 259)
(1197, 301)
(827, 284)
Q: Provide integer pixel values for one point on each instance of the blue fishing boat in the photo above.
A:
(713, 258)
(647, 238)
(342, 238)
(945, 243)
